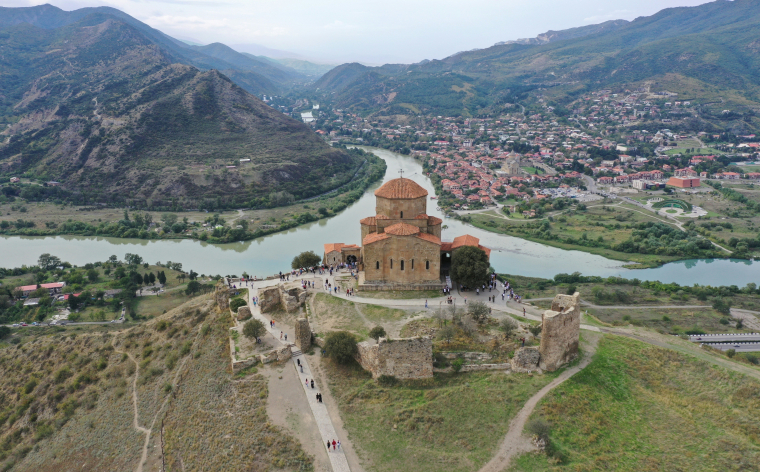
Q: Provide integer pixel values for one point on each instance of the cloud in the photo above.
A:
(613, 15)
(182, 22)
(338, 25)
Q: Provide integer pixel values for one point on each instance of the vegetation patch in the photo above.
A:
(638, 407)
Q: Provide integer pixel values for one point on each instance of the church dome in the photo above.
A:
(402, 229)
(401, 189)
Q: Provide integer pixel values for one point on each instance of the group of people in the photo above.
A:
(255, 300)
(334, 444)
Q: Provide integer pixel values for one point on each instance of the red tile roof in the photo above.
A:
(401, 189)
(465, 240)
(402, 229)
(374, 237)
(433, 221)
(369, 221)
(429, 238)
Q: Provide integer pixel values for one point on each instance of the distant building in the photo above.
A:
(684, 182)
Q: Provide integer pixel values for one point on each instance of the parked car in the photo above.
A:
(24, 324)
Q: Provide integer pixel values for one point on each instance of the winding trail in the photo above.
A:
(515, 442)
(136, 420)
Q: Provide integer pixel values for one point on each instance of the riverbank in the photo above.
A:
(23, 218)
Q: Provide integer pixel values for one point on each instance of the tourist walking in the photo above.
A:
(334, 444)
(339, 444)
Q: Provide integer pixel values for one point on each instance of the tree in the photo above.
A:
(377, 332)
(447, 333)
(722, 306)
(4, 332)
(146, 279)
(74, 302)
(535, 330)
(731, 353)
(469, 266)
(133, 259)
(48, 262)
(152, 278)
(341, 346)
(136, 278)
(92, 275)
(254, 329)
(192, 275)
(193, 287)
(508, 326)
(162, 278)
(479, 311)
(169, 219)
(305, 259)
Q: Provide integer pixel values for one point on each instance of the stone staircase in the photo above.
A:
(448, 282)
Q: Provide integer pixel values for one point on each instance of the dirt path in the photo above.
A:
(136, 420)
(515, 442)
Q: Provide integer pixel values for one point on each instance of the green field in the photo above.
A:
(642, 408)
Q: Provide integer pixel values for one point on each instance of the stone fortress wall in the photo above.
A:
(274, 298)
(401, 209)
(409, 358)
(561, 331)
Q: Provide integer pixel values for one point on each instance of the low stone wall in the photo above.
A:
(392, 287)
(525, 359)
(237, 366)
(410, 358)
(222, 297)
(480, 367)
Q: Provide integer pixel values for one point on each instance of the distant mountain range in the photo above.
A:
(118, 111)
(712, 50)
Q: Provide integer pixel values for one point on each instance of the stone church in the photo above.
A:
(401, 245)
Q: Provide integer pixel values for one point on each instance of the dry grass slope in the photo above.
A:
(66, 400)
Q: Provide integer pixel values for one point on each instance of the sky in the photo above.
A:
(367, 31)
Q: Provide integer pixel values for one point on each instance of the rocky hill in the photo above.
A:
(709, 47)
(114, 117)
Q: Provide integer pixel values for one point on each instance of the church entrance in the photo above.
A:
(351, 259)
(445, 262)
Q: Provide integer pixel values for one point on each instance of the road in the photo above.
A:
(725, 338)
(738, 347)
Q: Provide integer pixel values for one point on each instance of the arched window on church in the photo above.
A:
(412, 264)
(402, 215)
(427, 265)
(391, 263)
(402, 265)
(377, 265)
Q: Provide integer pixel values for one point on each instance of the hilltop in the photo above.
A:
(713, 47)
(99, 107)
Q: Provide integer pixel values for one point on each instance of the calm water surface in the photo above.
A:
(273, 253)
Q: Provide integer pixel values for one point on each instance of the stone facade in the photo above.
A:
(401, 245)
(222, 296)
(526, 359)
(303, 334)
(561, 331)
(274, 298)
(410, 358)
(243, 313)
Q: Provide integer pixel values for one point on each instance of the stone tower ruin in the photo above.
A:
(561, 331)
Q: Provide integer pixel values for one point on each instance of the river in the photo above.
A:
(273, 253)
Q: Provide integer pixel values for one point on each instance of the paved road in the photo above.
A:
(725, 338)
(738, 347)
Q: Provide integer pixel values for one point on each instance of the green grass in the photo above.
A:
(451, 422)
(402, 294)
(642, 408)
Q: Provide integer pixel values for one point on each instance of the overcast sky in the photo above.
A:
(378, 31)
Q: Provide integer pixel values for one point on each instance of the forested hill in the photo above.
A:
(114, 117)
(714, 47)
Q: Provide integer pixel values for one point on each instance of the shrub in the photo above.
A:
(162, 325)
(538, 427)
(341, 346)
(535, 330)
(665, 318)
(731, 353)
(479, 311)
(29, 387)
(236, 303)
(508, 326)
(377, 332)
(457, 364)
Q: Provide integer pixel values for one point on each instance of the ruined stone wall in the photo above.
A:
(560, 333)
(222, 296)
(410, 358)
(269, 299)
(303, 334)
(243, 313)
(526, 359)
(274, 298)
